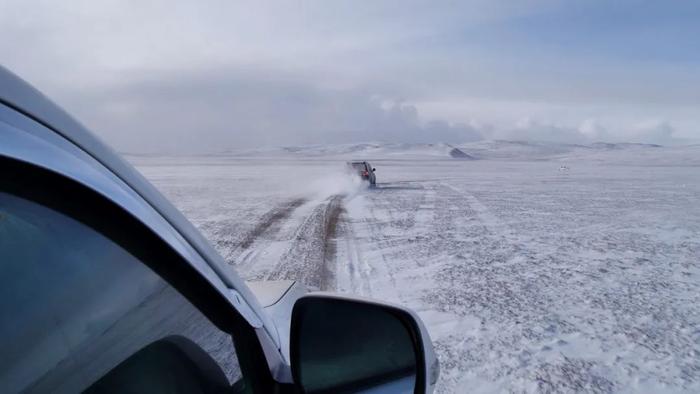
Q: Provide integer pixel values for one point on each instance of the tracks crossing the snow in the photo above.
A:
(295, 240)
(527, 280)
(310, 257)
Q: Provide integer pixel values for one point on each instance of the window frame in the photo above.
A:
(28, 139)
(29, 182)
(36, 154)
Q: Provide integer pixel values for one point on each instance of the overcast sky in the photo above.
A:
(214, 75)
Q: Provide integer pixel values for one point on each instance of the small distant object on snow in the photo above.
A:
(459, 154)
(563, 168)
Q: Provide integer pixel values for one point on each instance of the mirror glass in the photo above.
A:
(342, 345)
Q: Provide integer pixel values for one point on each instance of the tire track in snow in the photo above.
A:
(269, 219)
(379, 236)
(330, 240)
(268, 223)
(310, 257)
(353, 272)
(262, 239)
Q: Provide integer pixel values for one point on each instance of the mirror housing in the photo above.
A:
(374, 169)
(347, 344)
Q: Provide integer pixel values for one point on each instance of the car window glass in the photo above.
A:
(74, 304)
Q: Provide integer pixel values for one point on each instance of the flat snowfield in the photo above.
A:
(577, 272)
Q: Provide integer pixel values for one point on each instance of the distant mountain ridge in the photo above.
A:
(364, 150)
(502, 150)
(473, 150)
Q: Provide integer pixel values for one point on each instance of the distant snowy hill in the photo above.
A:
(366, 150)
(617, 153)
(500, 149)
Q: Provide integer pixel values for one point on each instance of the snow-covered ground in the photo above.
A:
(537, 268)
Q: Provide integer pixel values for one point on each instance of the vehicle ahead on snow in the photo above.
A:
(364, 170)
(106, 287)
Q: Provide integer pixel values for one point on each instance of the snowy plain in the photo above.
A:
(536, 267)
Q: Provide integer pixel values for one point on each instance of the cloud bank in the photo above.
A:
(212, 75)
(230, 109)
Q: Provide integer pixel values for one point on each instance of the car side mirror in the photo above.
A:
(343, 344)
(374, 169)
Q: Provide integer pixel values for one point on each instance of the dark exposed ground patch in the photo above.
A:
(459, 154)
